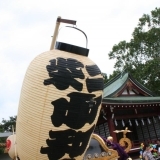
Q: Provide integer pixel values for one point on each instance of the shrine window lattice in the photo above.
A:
(145, 130)
(102, 130)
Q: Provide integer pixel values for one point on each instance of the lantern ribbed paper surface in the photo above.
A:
(59, 106)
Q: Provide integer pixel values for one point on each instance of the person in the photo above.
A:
(122, 154)
(147, 154)
(158, 146)
(109, 142)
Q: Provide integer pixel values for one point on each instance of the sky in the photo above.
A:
(26, 27)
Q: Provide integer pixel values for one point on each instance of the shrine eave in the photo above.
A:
(131, 100)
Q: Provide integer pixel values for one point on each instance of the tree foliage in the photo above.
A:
(2, 140)
(141, 55)
(105, 78)
(6, 125)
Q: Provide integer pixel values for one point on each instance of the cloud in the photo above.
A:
(8, 110)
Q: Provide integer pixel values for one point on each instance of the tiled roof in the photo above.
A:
(115, 84)
(118, 82)
(5, 134)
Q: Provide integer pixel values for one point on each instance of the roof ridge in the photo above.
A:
(143, 87)
(121, 74)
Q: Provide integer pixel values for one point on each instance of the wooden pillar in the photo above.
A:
(111, 124)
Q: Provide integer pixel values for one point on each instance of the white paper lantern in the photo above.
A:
(59, 105)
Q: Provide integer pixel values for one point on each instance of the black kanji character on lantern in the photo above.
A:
(81, 109)
(93, 70)
(63, 73)
(94, 84)
(69, 141)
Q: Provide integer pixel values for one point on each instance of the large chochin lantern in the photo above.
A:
(59, 104)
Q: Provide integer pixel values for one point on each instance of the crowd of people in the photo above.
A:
(147, 150)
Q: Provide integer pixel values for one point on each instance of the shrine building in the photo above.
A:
(127, 103)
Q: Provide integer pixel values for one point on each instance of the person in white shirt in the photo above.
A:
(147, 154)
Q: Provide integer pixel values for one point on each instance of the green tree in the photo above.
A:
(105, 77)
(2, 140)
(6, 125)
(141, 55)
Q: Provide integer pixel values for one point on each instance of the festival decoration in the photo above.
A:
(98, 150)
(123, 141)
(116, 146)
(59, 104)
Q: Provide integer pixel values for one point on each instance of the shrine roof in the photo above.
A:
(116, 84)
